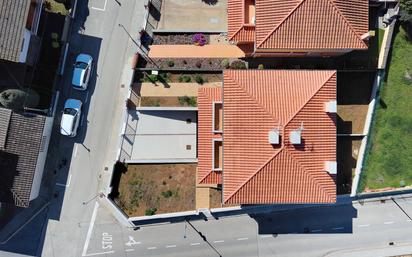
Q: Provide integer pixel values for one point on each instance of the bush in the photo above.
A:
(189, 101)
(170, 63)
(238, 65)
(199, 64)
(167, 194)
(225, 63)
(165, 76)
(152, 78)
(199, 39)
(185, 78)
(261, 67)
(18, 99)
(199, 79)
(150, 211)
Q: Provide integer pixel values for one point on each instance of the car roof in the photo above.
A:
(66, 124)
(78, 77)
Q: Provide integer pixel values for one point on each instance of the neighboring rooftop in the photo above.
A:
(13, 17)
(299, 24)
(279, 136)
(18, 155)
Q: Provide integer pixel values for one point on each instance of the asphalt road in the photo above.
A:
(96, 31)
(356, 229)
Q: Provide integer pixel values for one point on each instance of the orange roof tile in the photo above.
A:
(256, 102)
(302, 24)
(205, 99)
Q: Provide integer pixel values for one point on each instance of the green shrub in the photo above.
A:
(238, 65)
(165, 76)
(189, 101)
(152, 78)
(199, 79)
(17, 99)
(225, 63)
(170, 63)
(150, 211)
(167, 194)
(261, 67)
(185, 78)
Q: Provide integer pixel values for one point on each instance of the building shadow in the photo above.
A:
(327, 219)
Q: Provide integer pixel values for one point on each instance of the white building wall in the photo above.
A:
(41, 160)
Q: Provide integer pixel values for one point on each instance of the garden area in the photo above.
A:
(389, 159)
(148, 189)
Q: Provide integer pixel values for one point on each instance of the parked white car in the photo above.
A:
(82, 71)
(71, 117)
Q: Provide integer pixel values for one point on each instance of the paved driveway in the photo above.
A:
(193, 16)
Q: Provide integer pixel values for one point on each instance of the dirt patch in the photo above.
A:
(351, 118)
(347, 156)
(216, 199)
(168, 101)
(159, 188)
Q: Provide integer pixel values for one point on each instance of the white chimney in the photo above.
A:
(331, 167)
(331, 106)
(295, 137)
(274, 137)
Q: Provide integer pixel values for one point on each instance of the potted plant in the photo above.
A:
(199, 39)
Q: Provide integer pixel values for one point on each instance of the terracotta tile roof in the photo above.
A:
(256, 102)
(246, 33)
(205, 99)
(302, 24)
(13, 17)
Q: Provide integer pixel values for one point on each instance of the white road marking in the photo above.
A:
(388, 222)
(337, 228)
(132, 242)
(219, 241)
(68, 182)
(364, 225)
(195, 244)
(89, 232)
(265, 236)
(94, 254)
(151, 248)
(316, 230)
(242, 238)
(100, 9)
(170, 246)
(129, 250)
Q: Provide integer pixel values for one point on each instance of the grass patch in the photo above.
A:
(389, 163)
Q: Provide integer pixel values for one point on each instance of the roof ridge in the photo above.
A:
(310, 98)
(345, 20)
(280, 23)
(255, 173)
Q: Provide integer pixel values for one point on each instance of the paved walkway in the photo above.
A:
(171, 89)
(202, 197)
(192, 51)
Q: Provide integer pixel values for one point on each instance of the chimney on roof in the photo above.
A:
(331, 167)
(274, 136)
(296, 135)
(331, 106)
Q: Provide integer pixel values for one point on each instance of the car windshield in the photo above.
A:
(81, 65)
(70, 111)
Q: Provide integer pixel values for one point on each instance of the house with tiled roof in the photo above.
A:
(269, 136)
(298, 27)
(19, 22)
(24, 140)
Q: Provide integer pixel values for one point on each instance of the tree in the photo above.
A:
(17, 99)
(406, 5)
